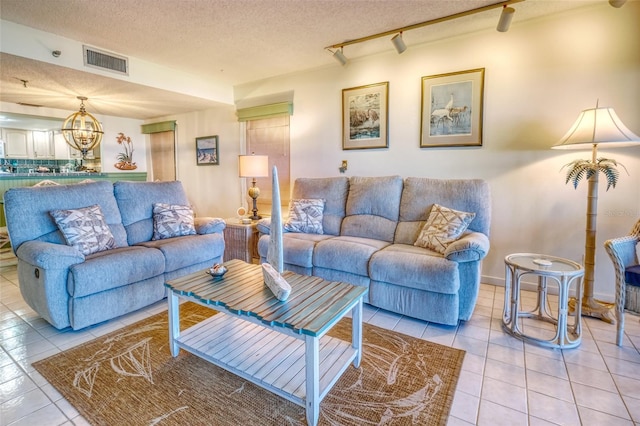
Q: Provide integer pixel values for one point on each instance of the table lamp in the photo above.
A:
(253, 166)
(599, 126)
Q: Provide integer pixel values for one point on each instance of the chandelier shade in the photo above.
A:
(82, 131)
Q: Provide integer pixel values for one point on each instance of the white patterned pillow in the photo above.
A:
(305, 215)
(443, 227)
(85, 229)
(172, 220)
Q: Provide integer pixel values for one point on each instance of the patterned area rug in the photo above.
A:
(129, 377)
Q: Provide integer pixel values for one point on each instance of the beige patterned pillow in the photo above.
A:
(305, 215)
(443, 227)
(85, 229)
(172, 220)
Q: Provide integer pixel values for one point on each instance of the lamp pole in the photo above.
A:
(590, 306)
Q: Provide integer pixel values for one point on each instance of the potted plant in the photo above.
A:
(125, 159)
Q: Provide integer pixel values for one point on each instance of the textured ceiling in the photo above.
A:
(230, 41)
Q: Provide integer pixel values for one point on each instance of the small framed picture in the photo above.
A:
(207, 151)
(365, 116)
(452, 109)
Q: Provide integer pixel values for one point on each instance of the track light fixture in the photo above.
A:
(339, 56)
(398, 43)
(617, 3)
(505, 19)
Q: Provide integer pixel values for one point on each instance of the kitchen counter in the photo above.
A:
(4, 175)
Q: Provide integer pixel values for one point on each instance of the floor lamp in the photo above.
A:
(253, 166)
(599, 126)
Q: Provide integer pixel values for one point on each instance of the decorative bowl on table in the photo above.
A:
(217, 270)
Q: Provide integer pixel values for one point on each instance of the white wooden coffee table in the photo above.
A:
(280, 346)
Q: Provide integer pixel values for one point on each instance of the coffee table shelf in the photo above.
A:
(265, 357)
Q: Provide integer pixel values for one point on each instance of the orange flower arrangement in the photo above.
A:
(125, 159)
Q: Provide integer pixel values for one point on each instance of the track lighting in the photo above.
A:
(617, 3)
(398, 43)
(339, 56)
(505, 19)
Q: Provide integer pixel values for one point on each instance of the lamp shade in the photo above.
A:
(597, 126)
(253, 166)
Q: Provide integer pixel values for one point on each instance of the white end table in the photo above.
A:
(564, 273)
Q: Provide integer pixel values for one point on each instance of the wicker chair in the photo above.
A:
(622, 252)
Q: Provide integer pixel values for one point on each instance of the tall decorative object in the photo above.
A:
(595, 126)
(82, 131)
(253, 166)
(274, 253)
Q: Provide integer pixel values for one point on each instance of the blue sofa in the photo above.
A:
(370, 225)
(70, 289)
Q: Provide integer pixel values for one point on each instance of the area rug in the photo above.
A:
(129, 377)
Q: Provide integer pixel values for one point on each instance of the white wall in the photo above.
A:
(538, 77)
(214, 190)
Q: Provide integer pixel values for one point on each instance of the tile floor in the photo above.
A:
(503, 381)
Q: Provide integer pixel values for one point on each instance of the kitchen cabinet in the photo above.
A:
(42, 144)
(60, 147)
(16, 143)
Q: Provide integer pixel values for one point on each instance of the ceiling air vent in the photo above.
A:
(104, 60)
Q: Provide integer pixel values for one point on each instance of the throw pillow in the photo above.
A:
(172, 220)
(305, 215)
(443, 227)
(84, 229)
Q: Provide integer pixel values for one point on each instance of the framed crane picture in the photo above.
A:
(365, 114)
(451, 113)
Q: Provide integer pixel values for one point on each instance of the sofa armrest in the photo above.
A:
(209, 225)
(264, 226)
(470, 247)
(49, 255)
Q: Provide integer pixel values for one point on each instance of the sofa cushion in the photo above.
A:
(419, 194)
(347, 254)
(136, 199)
(409, 266)
(305, 215)
(333, 190)
(172, 220)
(373, 206)
(443, 227)
(27, 210)
(297, 248)
(114, 268)
(181, 252)
(84, 229)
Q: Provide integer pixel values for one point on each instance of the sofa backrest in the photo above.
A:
(136, 200)
(419, 195)
(333, 190)
(373, 206)
(27, 210)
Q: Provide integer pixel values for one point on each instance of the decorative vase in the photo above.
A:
(126, 165)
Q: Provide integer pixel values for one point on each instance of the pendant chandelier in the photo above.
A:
(81, 130)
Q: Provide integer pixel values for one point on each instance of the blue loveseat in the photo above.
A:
(370, 225)
(70, 289)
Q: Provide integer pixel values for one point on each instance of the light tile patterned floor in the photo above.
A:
(503, 381)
